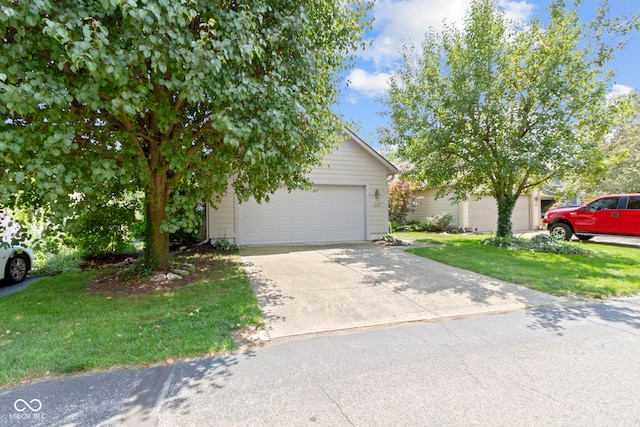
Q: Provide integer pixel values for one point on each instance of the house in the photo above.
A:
(479, 212)
(349, 203)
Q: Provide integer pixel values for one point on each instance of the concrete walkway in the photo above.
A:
(309, 289)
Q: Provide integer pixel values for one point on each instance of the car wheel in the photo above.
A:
(583, 237)
(16, 269)
(561, 231)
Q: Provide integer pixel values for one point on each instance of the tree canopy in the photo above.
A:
(177, 98)
(619, 171)
(496, 108)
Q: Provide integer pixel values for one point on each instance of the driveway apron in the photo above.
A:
(305, 289)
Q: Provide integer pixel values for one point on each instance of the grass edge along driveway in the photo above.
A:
(58, 326)
(612, 271)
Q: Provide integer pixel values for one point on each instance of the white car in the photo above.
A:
(15, 263)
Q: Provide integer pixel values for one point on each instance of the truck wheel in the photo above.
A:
(561, 231)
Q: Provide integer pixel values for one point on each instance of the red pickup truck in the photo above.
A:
(617, 214)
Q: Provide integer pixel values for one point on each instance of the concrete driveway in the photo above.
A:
(307, 289)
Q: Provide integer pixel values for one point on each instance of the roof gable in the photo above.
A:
(369, 151)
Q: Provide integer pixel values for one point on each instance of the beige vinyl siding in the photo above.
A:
(476, 213)
(429, 206)
(349, 164)
(221, 221)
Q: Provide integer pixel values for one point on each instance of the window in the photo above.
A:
(634, 202)
(604, 204)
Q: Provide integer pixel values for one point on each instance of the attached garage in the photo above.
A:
(478, 213)
(483, 214)
(348, 203)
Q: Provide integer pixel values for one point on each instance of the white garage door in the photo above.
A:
(483, 214)
(333, 213)
(521, 214)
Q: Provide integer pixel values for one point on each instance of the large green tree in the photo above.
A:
(619, 171)
(498, 109)
(622, 161)
(177, 98)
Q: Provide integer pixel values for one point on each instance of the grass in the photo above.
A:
(611, 271)
(58, 326)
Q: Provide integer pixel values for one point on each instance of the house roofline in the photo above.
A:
(379, 158)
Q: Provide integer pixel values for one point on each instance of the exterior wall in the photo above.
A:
(221, 222)
(429, 206)
(348, 164)
(477, 213)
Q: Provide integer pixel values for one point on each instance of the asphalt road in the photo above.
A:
(6, 288)
(577, 365)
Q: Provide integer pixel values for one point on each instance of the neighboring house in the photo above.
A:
(349, 204)
(479, 212)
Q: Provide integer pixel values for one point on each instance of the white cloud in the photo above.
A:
(617, 90)
(369, 84)
(352, 99)
(400, 22)
(519, 11)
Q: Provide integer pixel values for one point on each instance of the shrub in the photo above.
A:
(401, 200)
(539, 243)
(433, 224)
(439, 222)
(413, 226)
(225, 245)
(104, 230)
(66, 260)
(34, 228)
(388, 238)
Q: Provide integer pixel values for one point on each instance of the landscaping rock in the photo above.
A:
(158, 277)
(161, 277)
(183, 273)
(261, 335)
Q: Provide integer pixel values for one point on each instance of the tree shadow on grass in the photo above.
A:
(558, 274)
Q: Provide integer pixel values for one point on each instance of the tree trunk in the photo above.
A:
(505, 210)
(156, 240)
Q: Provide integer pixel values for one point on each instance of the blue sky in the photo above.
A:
(400, 21)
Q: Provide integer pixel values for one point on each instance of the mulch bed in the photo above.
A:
(114, 282)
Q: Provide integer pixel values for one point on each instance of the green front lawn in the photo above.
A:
(611, 271)
(58, 325)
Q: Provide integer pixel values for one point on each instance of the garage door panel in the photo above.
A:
(520, 218)
(251, 237)
(283, 221)
(332, 213)
(483, 214)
